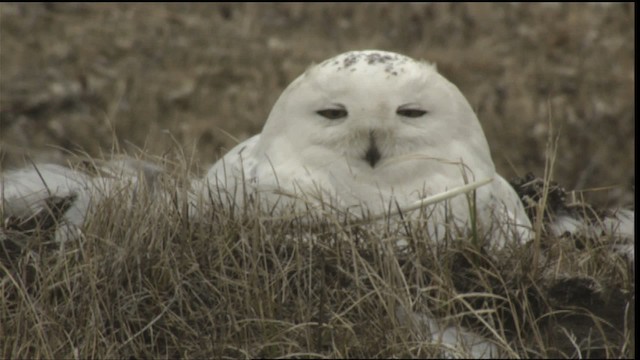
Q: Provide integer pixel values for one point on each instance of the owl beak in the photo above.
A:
(372, 156)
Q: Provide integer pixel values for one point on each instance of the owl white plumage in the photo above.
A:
(370, 131)
(28, 191)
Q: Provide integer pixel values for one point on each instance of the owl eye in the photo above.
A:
(411, 113)
(332, 114)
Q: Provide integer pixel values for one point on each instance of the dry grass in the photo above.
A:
(146, 281)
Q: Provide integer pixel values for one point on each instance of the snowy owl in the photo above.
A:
(372, 131)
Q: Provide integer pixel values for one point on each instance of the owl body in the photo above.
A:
(370, 131)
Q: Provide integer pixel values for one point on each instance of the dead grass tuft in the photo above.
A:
(145, 280)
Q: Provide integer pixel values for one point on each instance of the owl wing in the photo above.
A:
(231, 173)
(508, 218)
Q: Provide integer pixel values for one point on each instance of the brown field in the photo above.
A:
(184, 81)
(161, 76)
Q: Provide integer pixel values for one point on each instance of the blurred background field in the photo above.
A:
(167, 76)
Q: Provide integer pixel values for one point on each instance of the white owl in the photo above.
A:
(370, 131)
